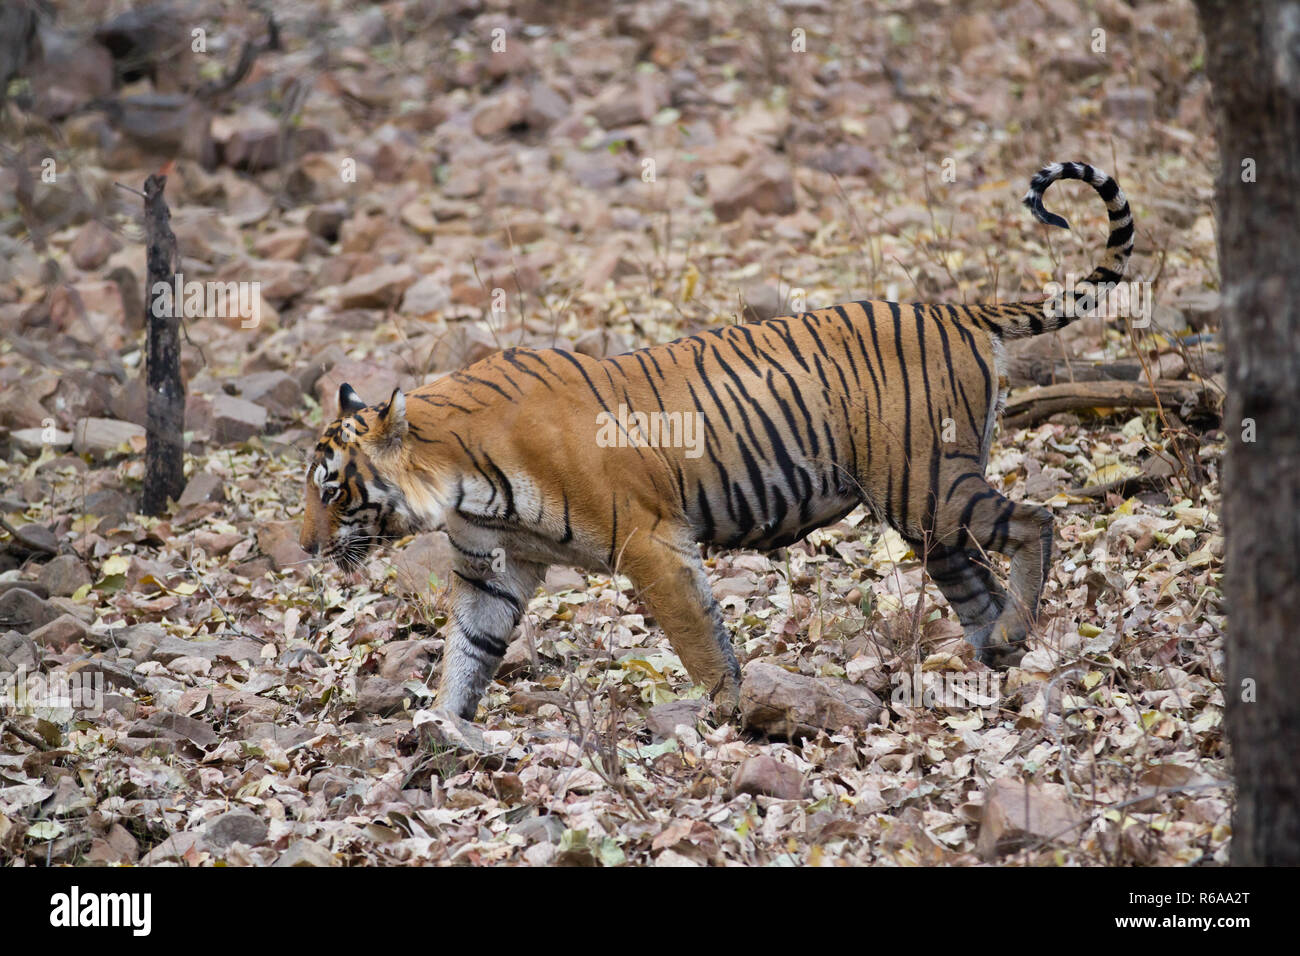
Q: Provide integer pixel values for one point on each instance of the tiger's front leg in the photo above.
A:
(489, 593)
(665, 567)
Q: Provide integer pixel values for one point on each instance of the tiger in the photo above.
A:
(747, 435)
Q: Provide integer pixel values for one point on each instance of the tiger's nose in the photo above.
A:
(310, 545)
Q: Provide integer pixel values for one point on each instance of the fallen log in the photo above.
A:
(1037, 404)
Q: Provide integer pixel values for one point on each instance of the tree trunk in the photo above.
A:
(164, 442)
(1253, 61)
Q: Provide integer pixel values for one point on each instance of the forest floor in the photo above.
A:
(411, 199)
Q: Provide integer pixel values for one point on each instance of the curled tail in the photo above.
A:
(1120, 244)
(1022, 318)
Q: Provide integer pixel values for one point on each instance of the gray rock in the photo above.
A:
(23, 611)
(767, 776)
(236, 826)
(429, 294)
(36, 533)
(61, 632)
(278, 392)
(102, 437)
(108, 502)
(781, 704)
(764, 185)
(381, 288)
(663, 719)
(235, 419)
(202, 487)
(236, 649)
(32, 441)
(381, 696)
(64, 574)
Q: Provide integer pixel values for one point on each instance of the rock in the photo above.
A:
(422, 562)
(60, 633)
(306, 853)
(90, 311)
(202, 486)
(278, 392)
(24, 612)
(32, 441)
(762, 301)
(1133, 104)
(664, 719)
(380, 289)
(325, 221)
(249, 140)
(764, 185)
(108, 501)
(235, 649)
(779, 703)
(70, 72)
(64, 574)
(404, 660)
(545, 107)
(1016, 814)
(38, 534)
(236, 826)
(501, 112)
(429, 294)
(282, 281)
(418, 214)
(380, 696)
(102, 437)
(615, 106)
(116, 846)
(93, 245)
(17, 650)
(278, 540)
(235, 420)
(82, 394)
(846, 159)
(1203, 310)
(64, 605)
(768, 777)
(972, 30)
(141, 640)
(288, 243)
(177, 726)
(34, 586)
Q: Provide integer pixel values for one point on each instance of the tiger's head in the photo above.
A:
(352, 501)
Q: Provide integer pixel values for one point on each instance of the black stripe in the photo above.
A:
(487, 587)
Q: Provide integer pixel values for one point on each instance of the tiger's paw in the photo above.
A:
(993, 649)
(725, 698)
(1001, 656)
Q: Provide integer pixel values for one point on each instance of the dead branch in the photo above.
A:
(1041, 403)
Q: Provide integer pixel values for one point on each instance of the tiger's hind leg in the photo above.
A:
(487, 602)
(667, 572)
(976, 512)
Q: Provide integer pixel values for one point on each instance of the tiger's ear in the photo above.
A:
(349, 400)
(391, 423)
